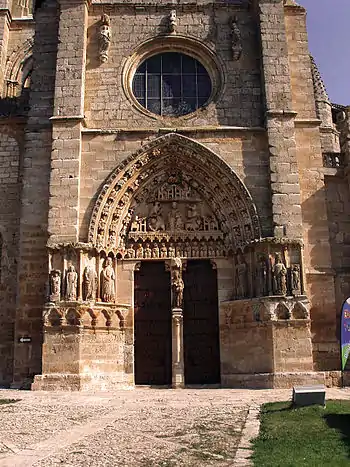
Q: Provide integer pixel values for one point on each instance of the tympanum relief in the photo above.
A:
(173, 221)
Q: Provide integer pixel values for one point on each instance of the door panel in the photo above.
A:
(152, 325)
(201, 325)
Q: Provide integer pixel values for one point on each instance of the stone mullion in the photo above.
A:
(285, 188)
(68, 114)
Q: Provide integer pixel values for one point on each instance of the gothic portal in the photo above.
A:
(174, 197)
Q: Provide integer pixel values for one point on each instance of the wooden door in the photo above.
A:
(152, 325)
(201, 324)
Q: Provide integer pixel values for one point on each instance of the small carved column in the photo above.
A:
(177, 288)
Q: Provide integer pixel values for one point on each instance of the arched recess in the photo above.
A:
(214, 205)
(18, 69)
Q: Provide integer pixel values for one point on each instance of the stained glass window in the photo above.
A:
(172, 84)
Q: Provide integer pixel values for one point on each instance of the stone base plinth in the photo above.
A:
(67, 382)
(278, 380)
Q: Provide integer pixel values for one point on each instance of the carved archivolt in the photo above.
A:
(18, 68)
(174, 197)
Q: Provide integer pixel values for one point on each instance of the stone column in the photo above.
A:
(4, 38)
(177, 287)
(68, 115)
(285, 188)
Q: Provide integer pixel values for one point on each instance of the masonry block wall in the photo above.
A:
(263, 122)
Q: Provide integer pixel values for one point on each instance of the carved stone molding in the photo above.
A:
(173, 190)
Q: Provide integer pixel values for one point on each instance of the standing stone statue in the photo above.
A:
(262, 277)
(71, 284)
(241, 278)
(236, 39)
(296, 279)
(108, 281)
(89, 283)
(55, 285)
(279, 276)
(104, 37)
(177, 285)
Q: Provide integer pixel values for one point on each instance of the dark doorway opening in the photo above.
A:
(152, 325)
(201, 324)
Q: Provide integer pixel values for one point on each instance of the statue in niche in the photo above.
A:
(236, 39)
(139, 251)
(262, 277)
(175, 221)
(279, 276)
(194, 220)
(172, 21)
(155, 251)
(108, 281)
(55, 285)
(105, 36)
(241, 277)
(163, 251)
(155, 219)
(177, 285)
(148, 251)
(71, 284)
(89, 283)
(112, 240)
(296, 279)
(130, 252)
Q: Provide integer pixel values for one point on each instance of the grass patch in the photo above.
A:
(8, 401)
(306, 436)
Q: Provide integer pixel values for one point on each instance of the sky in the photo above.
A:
(328, 29)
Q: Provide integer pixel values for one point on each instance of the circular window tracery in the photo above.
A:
(171, 84)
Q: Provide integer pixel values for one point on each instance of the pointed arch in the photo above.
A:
(19, 68)
(201, 170)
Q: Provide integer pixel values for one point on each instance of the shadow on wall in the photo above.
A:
(320, 281)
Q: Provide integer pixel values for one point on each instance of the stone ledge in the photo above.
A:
(272, 380)
(71, 382)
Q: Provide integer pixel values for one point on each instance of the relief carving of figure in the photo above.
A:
(105, 36)
(203, 251)
(241, 278)
(139, 251)
(130, 252)
(195, 250)
(172, 21)
(108, 281)
(55, 285)
(148, 251)
(155, 220)
(89, 283)
(279, 276)
(175, 220)
(171, 251)
(194, 220)
(155, 251)
(177, 285)
(187, 250)
(163, 251)
(236, 38)
(71, 284)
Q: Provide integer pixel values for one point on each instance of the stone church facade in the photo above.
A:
(174, 196)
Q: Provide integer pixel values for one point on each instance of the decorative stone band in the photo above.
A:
(88, 315)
